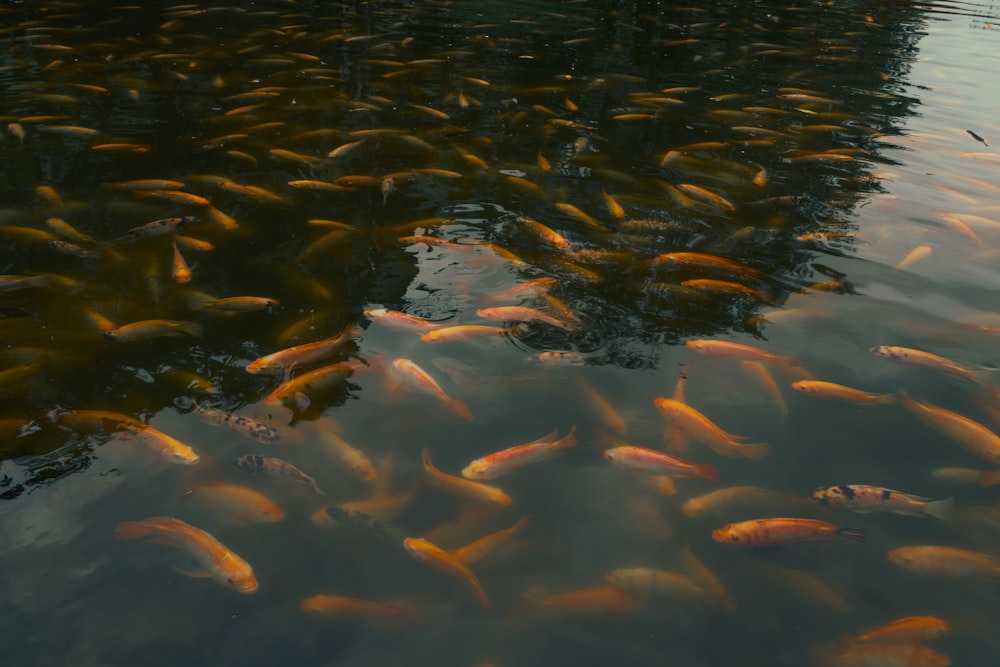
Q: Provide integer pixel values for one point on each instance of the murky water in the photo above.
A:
(811, 180)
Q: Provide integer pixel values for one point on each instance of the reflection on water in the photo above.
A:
(295, 273)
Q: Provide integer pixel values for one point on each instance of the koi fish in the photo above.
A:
(595, 601)
(345, 607)
(242, 304)
(702, 428)
(841, 392)
(300, 355)
(864, 499)
(767, 532)
(439, 559)
(728, 350)
(156, 228)
(351, 458)
(521, 314)
(921, 359)
(947, 562)
(654, 581)
(400, 321)
(239, 502)
(267, 466)
(640, 459)
(462, 332)
(146, 329)
(475, 551)
(219, 562)
(513, 458)
(970, 435)
(419, 378)
(909, 629)
(907, 654)
(300, 391)
(246, 426)
(459, 486)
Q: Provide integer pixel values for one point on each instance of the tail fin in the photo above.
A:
(940, 509)
(754, 450)
(989, 478)
(568, 440)
(191, 329)
(461, 408)
(706, 471)
(130, 530)
(853, 534)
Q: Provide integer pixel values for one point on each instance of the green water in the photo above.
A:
(848, 120)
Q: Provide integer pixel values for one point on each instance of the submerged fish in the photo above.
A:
(860, 498)
(767, 532)
(268, 466)
(217, 561)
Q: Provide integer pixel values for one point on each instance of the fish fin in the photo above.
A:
(130, 530)
(853, 534)
(706, 471)
(192, 329)
(940, 509)
(991, 478)
(754, 450)
(300, 400)
(568, 440)
(194, 574)
(315, 487)
(461, 408)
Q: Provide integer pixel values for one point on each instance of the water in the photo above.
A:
(836, 137)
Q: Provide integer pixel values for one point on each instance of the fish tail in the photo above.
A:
(755, 450)
(989, 478)
(191, 329)
(940, 509)
(484, 602)
(130, 530)
(888, 399)
(461, 408)
(706, 471)
(853, 534)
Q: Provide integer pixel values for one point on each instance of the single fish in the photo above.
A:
(240, 503)
(337, 606)
(439, 559)
(300, 355)
(267, 466)
(219, 562)
(462, 487)
(642, 460)
(700, 427)
(947, 562)
(767, 532)
(418, 378)
(864, 499)
(513, 458)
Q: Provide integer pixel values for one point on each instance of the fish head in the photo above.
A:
(822, 495)
(475, 470)
(726, 534)
(183, 457)
(902, 557)
(237, 574)
(263, 367)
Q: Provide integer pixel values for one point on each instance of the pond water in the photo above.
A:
(656, 218)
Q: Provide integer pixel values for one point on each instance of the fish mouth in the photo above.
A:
(248, 588)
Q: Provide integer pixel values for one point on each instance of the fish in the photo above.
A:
(300, 392)
(642, 460)
(723, 499)
(646, 581)
(219, 562)
(439, 559)
(180, 271)
(459, 486)
(242, 304)
(301, 355)
(522, 314)
(479, 549)
(248, 427)
(400, 321)
(513, 458)
(841, 393)
(864, 499)
(605, 411)
(595, 601)
(700, 427)
(351, 517)
(927, 360)
(768, 532)
(461, 332)
(156, 228)
(904, 654)
(909, 629)
(240, 503)
(147, 329)
(268, 466)
(946, 561)
(917, 254)
(970, 435)
(703, 261)
(350, 458)
(418, 378)
(337, 606)
(727, 350)
(171, 449)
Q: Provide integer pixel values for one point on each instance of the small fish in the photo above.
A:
(700, 427)
(337, 606)
(596, 601)
(921, 359)
(977, 137)
(267, 466)
(729, 350)
(841, 393)
(242, 304)
(219, 562)
(461, 332)
(767, 532)
(300, 355)
(301, 391)
(350, 458)
(146, 329)
(400, 321)
(180, 270)
(903, 654)
(460, 486)
(157, 228)
(239, 502)
(909, 629)
(475, 551)
(169, 448)
(510, 459)
(723, 499)
(418, 378)
(864, 499)
(522, 314)
(644, 581)
(439, 559)
(947, 562)
(246, 426)
(351, 517)
(914, 256)
(640, 459)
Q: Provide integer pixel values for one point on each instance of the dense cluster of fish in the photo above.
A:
(343, 208)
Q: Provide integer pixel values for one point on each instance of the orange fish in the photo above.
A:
(702, 428)
(476, 551)
(352, 459)
(181, 271)
(219, 562)
(461, 332)
(239, 502)
(907, 654)
(400, 321)
(439, 559)
(462, 487)
(729, 350)
(640, 459)
(841, 393)
(767, 532)
(300, 355)
(512, 458)
(596, 601)
(344, 607)
(971, 435)
(419, 378)
(947, 562)
(521, 314)
(921, 359)
(300, 391)
(909, 629)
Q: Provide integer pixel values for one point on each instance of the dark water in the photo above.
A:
(814, 144)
